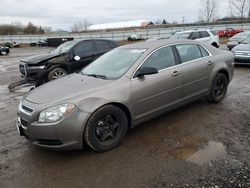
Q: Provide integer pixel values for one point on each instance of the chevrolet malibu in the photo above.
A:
(121, 89)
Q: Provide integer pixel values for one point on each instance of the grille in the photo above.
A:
(27, 109)
(242, 53)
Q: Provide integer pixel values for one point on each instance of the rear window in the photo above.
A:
(203, 51)
(204, 34)
(181, 35)
(214, 32)
(195, 35)
(188, 52)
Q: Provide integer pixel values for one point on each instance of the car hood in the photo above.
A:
(66, 89)
(40, 58)
(242, 47)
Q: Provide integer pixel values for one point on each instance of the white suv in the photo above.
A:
(205, 35)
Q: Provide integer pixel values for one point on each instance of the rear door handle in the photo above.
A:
(210, 63)
(175, 73)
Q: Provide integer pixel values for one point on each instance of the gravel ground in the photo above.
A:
(200, 145)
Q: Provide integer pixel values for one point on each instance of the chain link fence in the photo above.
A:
(115, 35)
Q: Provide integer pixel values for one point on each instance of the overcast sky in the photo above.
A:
(63, 13)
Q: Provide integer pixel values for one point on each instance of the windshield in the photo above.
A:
(181, 35)
(246, 41)
(113, 64)
(238, 36)
(65, 47)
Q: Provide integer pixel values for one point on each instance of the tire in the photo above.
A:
(215, 45)
(106, 128)
(56, 73)
(218, 89)
(4, 53)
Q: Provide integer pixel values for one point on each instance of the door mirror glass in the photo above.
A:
(146, 71)
(77, 58)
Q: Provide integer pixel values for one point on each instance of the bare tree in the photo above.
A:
(208, 9)
(80, 26)
(240, 7)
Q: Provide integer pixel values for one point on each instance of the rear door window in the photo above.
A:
(85, 48)
(161, 59)
(188, 52)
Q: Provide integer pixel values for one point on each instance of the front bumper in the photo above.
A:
(33, 73)
(240, 60)
(66, 134)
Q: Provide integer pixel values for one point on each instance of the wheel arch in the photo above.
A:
(215, 44)
(125, 109)
(225, 72)
(58, 65)
(91, 105)
(217, 70)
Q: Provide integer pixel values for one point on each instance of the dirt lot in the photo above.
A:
(200, 145)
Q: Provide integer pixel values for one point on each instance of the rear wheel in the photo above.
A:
(56, 73)
(106, 128)
(218, 90)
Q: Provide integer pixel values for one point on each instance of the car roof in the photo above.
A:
(194, 30)
(157, 43)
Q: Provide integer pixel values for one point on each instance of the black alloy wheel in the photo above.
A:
(106, 128)
(219, 88)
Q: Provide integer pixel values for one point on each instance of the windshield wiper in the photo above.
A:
(97, 76)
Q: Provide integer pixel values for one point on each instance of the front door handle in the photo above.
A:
(210, 63)
(175, 73)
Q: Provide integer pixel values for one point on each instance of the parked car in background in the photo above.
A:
(203, 35)
(124, 88)
(237, 39)
(242, 52)
(135, 37)
(42, 43)
(229, 32)
(4, 50)
(12, 45)
(69, 57)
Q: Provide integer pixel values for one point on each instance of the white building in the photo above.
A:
(118, 25)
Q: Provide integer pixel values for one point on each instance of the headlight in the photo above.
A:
(37, 67)
(56, 113)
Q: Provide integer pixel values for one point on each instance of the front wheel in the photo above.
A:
(218, 90)
(106, 128)
(4, 53)
(56, 73)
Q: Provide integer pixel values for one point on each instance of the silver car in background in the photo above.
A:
(237, 39)
(121, 89)
(242, 52)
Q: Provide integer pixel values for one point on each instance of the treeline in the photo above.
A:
(18, 28)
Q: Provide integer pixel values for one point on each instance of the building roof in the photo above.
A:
(117, 25)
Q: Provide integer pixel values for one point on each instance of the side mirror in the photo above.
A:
(77, 58)
(146, 71)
